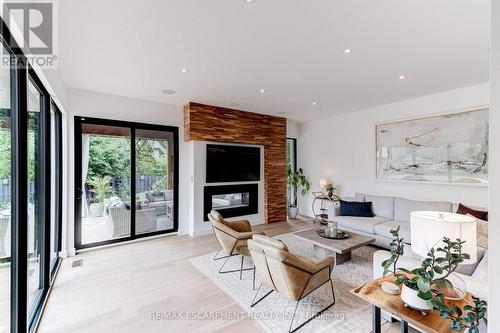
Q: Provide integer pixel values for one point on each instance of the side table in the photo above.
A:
(322, 216)
(372, 293)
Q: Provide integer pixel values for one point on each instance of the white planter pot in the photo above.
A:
(97, 209)
(293, 212)
(411, 299)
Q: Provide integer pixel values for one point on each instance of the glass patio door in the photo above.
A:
(126, 181)
(155, 180)
(105, 183)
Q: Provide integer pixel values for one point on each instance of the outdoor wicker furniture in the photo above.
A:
(4, 225)
(120, 218)
(162, 201)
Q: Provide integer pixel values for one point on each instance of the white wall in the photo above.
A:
(292, 129)
(342, 148)
(197, 225)
(92, 104)
(494, 213)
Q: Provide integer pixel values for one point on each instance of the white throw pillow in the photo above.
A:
(482, 232)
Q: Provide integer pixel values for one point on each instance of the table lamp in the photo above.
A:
(428, 229)
(323, 183)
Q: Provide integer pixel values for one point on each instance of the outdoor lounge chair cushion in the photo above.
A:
(155, 196)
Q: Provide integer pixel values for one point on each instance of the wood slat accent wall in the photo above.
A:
(211, 123)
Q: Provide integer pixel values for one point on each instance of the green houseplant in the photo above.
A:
(424, 288)
(331, 190)
(297, 181)
(102, 188)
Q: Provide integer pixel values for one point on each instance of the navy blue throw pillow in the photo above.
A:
(361, 209)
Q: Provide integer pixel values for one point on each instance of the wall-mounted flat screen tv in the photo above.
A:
(232, 163)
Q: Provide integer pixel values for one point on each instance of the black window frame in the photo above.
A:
(133, 126)
(42, 148)
(294, 164)
(22, 318)
(58, 186)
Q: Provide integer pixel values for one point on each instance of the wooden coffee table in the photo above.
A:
(340, 249)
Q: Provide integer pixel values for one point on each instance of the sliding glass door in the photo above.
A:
(30, 190)
(155, 180)
(105, 183)
(34, 192)
(126, 181)
(5, 194)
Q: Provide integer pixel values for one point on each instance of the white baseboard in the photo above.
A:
(183, 232)
(201, 232)
(67, 253)
(306, 212)
(256, 222)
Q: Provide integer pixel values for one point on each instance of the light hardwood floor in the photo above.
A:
(118, 289)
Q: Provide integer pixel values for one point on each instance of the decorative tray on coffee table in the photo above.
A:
(340, 234)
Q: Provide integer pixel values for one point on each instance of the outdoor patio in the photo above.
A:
(4, 296)
(97, 229)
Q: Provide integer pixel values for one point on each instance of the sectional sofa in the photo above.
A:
(391, 212)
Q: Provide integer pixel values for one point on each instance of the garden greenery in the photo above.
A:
(111, 156)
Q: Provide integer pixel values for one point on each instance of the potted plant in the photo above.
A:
(102, 188)
(425, 288)
(331, 190)
(296, 180)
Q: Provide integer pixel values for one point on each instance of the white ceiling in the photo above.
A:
(294, 49)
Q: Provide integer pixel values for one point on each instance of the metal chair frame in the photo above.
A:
(227, 257)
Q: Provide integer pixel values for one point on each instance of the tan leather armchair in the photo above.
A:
(290, 275)
(232, 237)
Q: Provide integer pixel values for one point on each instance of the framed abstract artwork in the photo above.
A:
(450, 148)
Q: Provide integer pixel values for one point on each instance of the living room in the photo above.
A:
(249, 165)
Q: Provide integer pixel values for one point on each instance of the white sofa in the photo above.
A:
(391, 212)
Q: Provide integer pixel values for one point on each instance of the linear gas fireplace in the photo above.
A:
(231, 200)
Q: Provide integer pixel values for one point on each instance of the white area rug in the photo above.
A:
(349, 314)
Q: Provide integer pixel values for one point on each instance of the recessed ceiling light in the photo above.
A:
(249, 1)
(168, 92)
(347, 51)
(314, 103)
(234, 104)
(402, 77)
(185, 70)
(262, 91)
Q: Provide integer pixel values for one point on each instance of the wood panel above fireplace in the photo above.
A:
(211, 123)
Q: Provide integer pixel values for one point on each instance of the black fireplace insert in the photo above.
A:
(231, 200)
